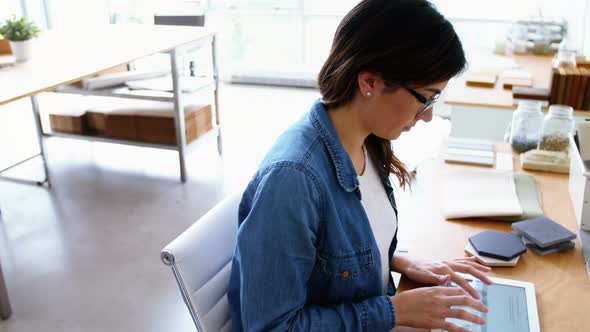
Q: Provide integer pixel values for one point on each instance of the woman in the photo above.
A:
(318, 222)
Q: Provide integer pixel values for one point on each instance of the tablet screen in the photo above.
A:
(507, 305)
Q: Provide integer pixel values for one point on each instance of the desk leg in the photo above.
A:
(179, 116)
(39, 129)
(216, 78)
(5, 310)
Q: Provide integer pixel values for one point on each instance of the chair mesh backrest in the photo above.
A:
(201, 260)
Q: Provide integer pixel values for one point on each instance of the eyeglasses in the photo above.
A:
(427, 103)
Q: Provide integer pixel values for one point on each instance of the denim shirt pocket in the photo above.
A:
(346, 265)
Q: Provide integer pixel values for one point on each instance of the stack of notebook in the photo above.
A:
(470, 151)
(544, 236)
(493, 248)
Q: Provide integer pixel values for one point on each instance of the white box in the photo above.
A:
(579, 187)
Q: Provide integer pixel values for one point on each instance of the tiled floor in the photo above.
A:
(84, 256)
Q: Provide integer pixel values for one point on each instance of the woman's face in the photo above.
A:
(390, 111)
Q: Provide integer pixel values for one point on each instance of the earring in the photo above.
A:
(369, 94)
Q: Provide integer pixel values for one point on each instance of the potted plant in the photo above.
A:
(20, 33)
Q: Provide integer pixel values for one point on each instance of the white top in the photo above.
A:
(380, 213)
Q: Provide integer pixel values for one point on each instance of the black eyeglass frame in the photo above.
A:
(427, 103)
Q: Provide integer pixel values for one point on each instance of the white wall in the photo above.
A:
(587, 30)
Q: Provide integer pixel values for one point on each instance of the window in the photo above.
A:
(9, 8)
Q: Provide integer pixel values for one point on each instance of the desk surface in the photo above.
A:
(459, 94)
(62, 57)
(561, 280)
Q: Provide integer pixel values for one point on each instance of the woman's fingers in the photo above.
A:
(450, 327)
(465, 285)
(465, 301)
(473, 262)
(466, 316)
(471, 269)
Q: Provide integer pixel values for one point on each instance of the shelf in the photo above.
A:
(214, 131)
(125, 92)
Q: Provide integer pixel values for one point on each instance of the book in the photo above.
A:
(568, 86)
(470, 143)
(469, 159)
(529, 197)
(584, 76)
(561, 86)
(574, 88)
(586, 102)
(543, 231)
(554, 86)
(520, 92)
(503, 246)
(476, 193)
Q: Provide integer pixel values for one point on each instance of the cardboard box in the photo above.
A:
(158, 127)
(116, 123)
(149, 122)
(72, 122)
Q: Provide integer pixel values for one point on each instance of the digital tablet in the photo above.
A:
(512, 306)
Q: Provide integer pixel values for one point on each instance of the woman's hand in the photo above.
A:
(428, 307)
(442, 273)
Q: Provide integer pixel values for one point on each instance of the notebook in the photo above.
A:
(543, 231)
(473, 193)
(529, 197)
(470, 151)
(469, 143)
(469, 156)
(504, 246)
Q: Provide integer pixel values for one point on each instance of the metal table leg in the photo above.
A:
(42, 153)
(179, 118)
(39, 130)
(5, 310)
(216, 79)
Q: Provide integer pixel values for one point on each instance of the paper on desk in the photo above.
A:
(480, 193)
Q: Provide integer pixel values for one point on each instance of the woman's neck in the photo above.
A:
(350, 130)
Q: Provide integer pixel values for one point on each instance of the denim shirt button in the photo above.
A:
(345, 274)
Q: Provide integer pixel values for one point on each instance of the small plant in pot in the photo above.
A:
(20, 33)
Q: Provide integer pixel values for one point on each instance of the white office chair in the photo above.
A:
(201, 259)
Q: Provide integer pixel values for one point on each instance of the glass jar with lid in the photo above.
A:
(527, 123)
(557, 126)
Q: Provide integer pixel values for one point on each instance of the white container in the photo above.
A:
(579, 187)
(22, 50)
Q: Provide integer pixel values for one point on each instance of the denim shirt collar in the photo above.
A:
(345, 171)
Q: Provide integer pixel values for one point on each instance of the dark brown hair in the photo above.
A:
(405, 42)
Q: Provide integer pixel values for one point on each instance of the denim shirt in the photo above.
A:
(306, 258)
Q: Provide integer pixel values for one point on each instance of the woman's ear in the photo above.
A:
(367, 83)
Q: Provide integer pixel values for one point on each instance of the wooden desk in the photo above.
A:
(561, 280)
(472, 106)
(63, 57)
(460, 94)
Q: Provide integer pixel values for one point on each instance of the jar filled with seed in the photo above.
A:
(557, 127)
(527, 122)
